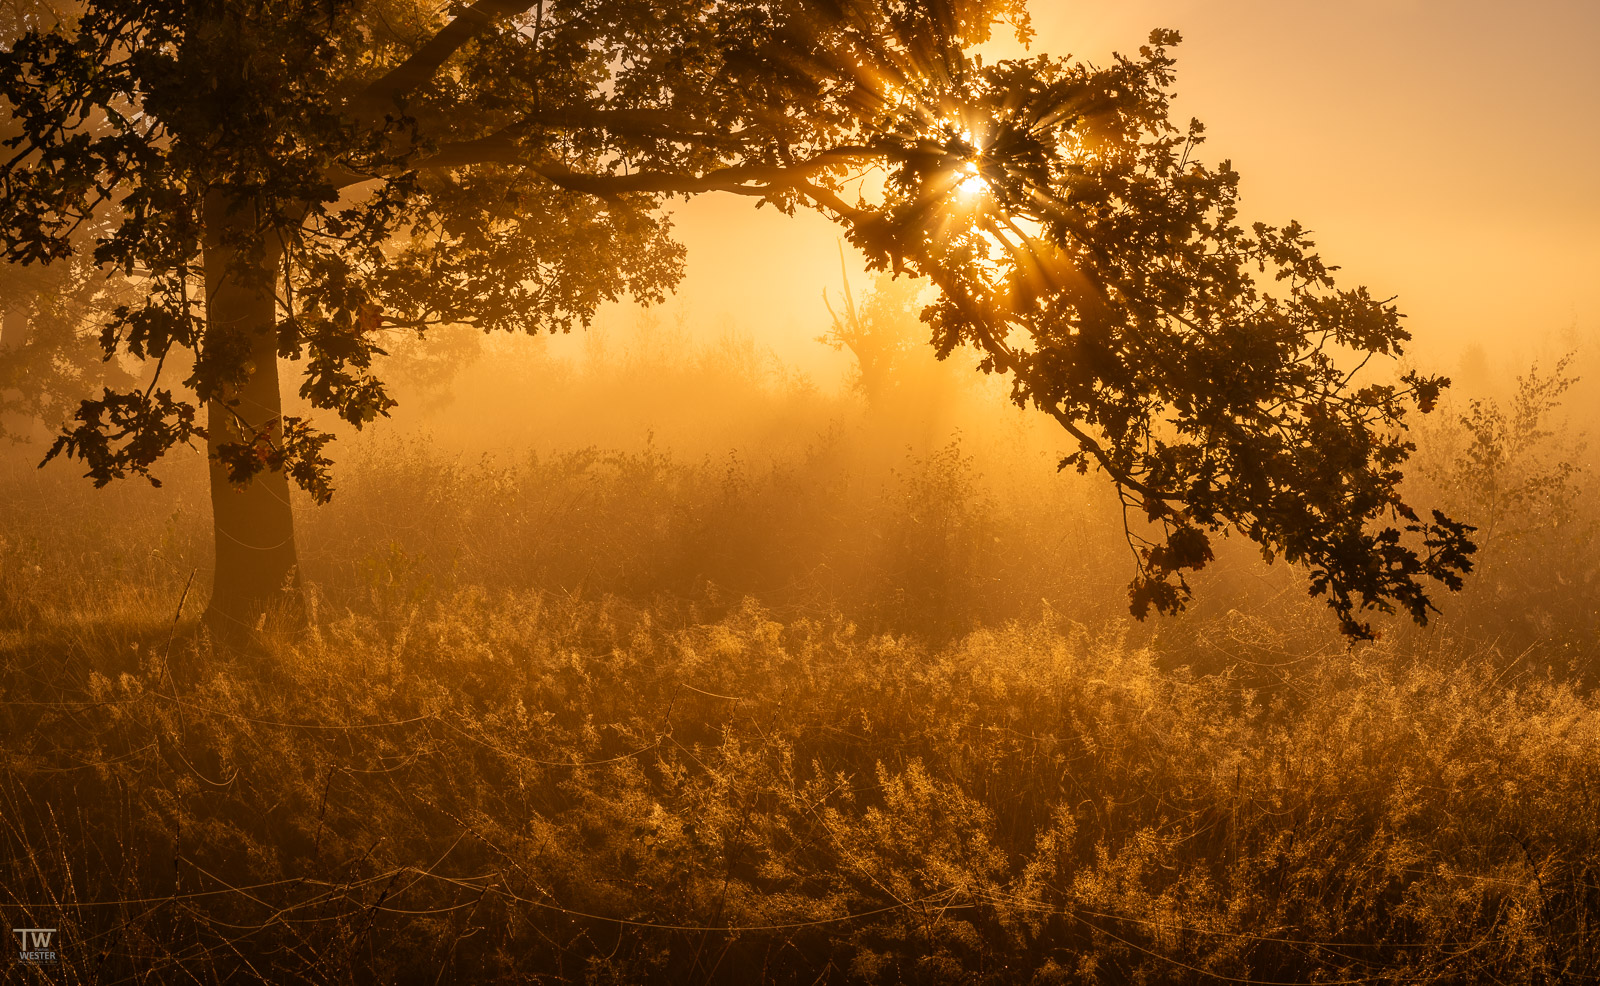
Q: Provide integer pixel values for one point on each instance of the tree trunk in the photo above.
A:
(257, 574)
(14, 328)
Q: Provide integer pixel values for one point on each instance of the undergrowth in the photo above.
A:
(520, 788)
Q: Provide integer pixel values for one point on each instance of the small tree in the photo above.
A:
(292, 179)
(877, 333)
(1513, 468)
(1509, 477)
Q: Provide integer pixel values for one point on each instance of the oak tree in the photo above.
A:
(290, 180)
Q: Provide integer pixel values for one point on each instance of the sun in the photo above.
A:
(969, 183)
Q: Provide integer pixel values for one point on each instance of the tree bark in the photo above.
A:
(257, 572)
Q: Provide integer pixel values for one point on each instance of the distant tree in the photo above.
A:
(50, 356)
(291, 179)
(1514, 468)
(50, 317)
(879, 335)
(1507, 475)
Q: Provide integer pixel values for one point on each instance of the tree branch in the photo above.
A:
(502, 148)
(423, 63)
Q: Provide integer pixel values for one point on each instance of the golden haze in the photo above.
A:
(1441, 151)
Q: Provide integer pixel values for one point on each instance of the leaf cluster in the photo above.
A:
(1209, 368)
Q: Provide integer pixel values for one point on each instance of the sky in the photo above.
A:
(1442, 151)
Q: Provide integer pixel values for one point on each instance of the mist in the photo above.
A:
(815, 604)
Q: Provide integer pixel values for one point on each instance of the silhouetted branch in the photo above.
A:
(425, 62)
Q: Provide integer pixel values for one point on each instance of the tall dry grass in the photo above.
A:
(515, 786)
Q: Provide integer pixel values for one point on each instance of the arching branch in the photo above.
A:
(426, 61)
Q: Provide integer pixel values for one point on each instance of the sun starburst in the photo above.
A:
(969, 182)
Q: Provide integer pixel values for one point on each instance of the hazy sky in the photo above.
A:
(1445, 151)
